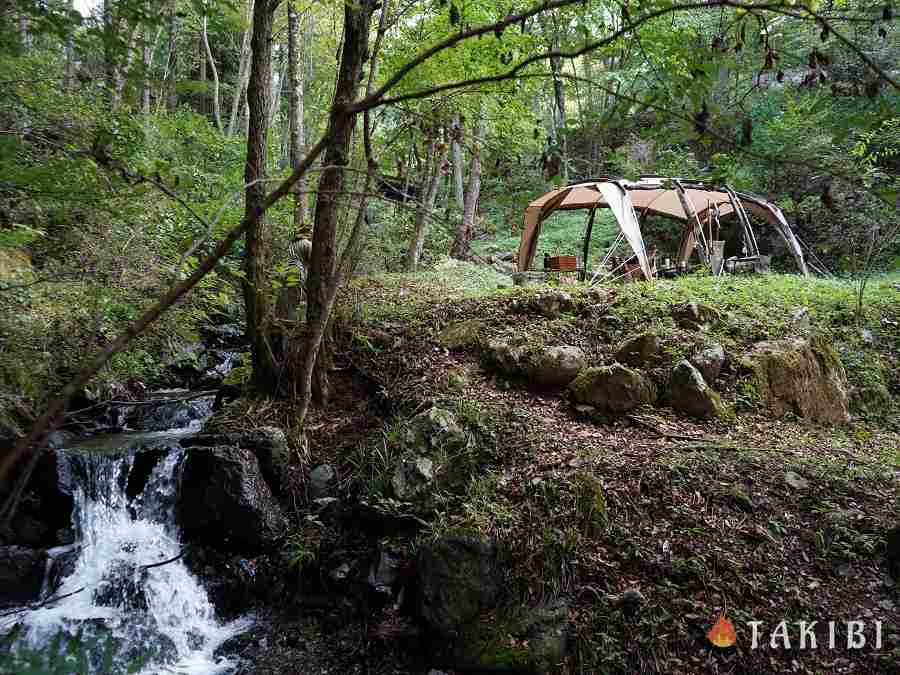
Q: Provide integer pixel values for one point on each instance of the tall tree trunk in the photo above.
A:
(202, 106)
(25, 39)
(146, 57)
(109, 50)
(296, 131)
(276, 88)
(243, 73)
(172, 77)
(69, 81)
(456, 132)
(217, 110)
(121, 70)
(357, 19)
(428, 195)
(258, 241)
(559, 98)
(460, 247)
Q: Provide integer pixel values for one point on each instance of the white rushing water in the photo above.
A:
(158, 618)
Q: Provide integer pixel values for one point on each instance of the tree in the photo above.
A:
(172, 65)
(296, 132)
(435, 157)
(217, 111)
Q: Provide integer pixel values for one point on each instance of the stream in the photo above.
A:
(125, 601)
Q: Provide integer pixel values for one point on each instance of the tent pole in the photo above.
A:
(691, 213)
(749, 238)
(587, 244)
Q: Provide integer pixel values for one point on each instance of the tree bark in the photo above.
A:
(146, 57)
(460, 248)
(172, 79)
(243, 74)
(456, 157)
(258, 240)
(428, 195)
(217, 110)
(296, 131)
(69, 81)
(341, 123)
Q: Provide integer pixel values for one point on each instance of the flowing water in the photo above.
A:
(124, 612)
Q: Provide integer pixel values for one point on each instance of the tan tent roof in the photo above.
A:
(654, 196)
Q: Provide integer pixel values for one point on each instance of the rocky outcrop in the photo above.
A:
(639, 351)
(21, 574)
(413, 477)
(458, 578)
(224, 500)
(322, 481)
(804, 377)
(612, 389)
(506, 357)
(557, 366)
(176, 415)
(709, 359)
(434, 429)
(689, 393)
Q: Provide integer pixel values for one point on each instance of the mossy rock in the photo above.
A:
(556, 366)
(639, 351)
(689, 393)
(804, 377)
(14, 263)
(612, 389)
(462, 335)
(870, 399)
(517, 640)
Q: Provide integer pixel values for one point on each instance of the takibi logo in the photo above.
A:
(722, 633)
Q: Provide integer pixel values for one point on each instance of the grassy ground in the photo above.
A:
(700, 518)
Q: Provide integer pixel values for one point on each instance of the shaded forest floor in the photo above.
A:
(759, 518)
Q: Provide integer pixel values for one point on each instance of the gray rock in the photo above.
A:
(557, 366)
(508, 359)
(413, 477)
(709, 360)
(322, 481)
(695, 316)
(801, 320)
(804, 377)
(434, 429)
(458, 578)
(268, 444)
(639, 351)
(552, 304)
(612, 389)
(21, 574)
(462, 334)
(384, 572)
(689, 393)
(795, 480)
(225, 502)
(892, 551)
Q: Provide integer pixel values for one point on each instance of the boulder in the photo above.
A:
(458, 577)
(508, 358)
(322, 481)
(518, 640)
(689, 393)
(46, 504)
(612, 389)
(462, 334)
(804, 377)
(434, 429)
(552, 304)
(165, 416)
(224, 500)
(892, 551)
(709, 359)
(21, 575)
(413, 477)
(639, 350)
(557, 366)
(695, 316)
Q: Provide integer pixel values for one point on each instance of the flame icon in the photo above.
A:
(722, 633)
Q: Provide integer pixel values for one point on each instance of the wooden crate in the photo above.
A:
(563, 262)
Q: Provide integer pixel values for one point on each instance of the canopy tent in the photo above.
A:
(690, 201)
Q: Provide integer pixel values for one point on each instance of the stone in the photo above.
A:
(507, 358)
(795, 480)
(689, 393)
(801, 321)
(695, 316)
(225, 502)
(384, 572)
(709, 359)
(165, 416)
(632, 602)
(519, 640)
(639, 351)
(413, 477)
(804, 377)
(553, 304)
(612, 389)
(462, 335)
(21, 575)
(434, 429)
(892, 551)
(458, 577)
(557, 366)
(322, 481)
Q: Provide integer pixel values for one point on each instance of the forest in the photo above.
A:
(449, 336)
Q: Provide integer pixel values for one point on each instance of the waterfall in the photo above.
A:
(121, 606)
